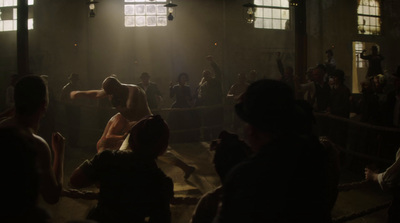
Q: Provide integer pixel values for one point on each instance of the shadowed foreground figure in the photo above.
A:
(132, 187)
(229, 151)
(21, 185)
(284, 181)
(31, 102)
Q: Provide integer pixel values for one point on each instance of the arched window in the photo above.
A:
(8, 15)
(140, 13)
(369, 17)
(272, 14)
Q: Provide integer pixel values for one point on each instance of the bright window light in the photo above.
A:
(369, 17)
(272, 14)
(141, 13)
(8, 15)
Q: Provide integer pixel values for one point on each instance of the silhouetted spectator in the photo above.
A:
(153, 94)
(317, 90)
(31, 101)
(330, 62)
(210, 94)
(374, 62)
(229, 151)
(21, 182)
(285, 180)
(132, 187)
(181, 120)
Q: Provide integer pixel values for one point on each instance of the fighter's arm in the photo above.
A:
(51, 176)
(88, 94)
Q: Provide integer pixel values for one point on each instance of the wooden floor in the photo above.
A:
(204, 179)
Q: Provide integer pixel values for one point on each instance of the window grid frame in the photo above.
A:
(160, 20)
(272, 18)
(12, 23)
(364, 16)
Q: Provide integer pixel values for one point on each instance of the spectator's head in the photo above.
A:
(183, 78)
(111, 85)
(149, 137)
(229, 151)
(22, 182)
(30, 95)
(338, 76)
(318, 72)
(145, 77)
(374, 50)
(268, 106)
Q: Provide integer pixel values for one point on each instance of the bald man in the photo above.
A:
(131, 104)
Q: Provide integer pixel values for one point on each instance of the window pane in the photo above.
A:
(129, 0)
(276, 3)
(161, 1)
(258, 2)
(276, 24)
(31, 2)
(276, 13)
(15, 16)
(129, 21)
(259, 23)
(268, 2)
(259, 12)
(161, 20)
(8, 25)
(139, 9)
(285, 3)
(129, 10)
(268, 23)
(285, 14)
(151, 20)
(9, 3)
(30, 24)
(1, 3)
(267, 13)
(161, 10)
(140, 20)
(150, 9)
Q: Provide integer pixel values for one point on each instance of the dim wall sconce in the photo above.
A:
(171, 12)
(249, 12)
(91, 4)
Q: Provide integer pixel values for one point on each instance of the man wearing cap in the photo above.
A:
(284, 181)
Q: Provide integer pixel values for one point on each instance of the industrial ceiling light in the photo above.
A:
(250, 10)
(91, 4)
(171, 13)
